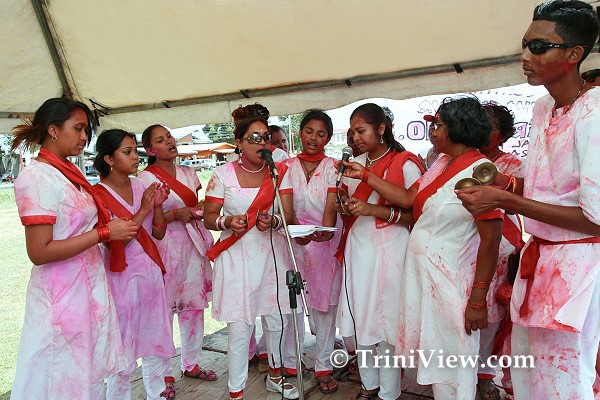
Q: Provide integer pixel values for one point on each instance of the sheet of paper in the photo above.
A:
(307, 230)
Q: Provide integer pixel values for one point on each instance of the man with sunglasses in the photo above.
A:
(555, 304)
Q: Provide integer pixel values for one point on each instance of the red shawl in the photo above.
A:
(187, 195)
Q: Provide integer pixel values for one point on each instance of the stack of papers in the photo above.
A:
(307, 230)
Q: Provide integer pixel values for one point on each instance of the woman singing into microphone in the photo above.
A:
(372, 249)
(249, 274)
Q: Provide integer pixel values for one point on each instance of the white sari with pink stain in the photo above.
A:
(139, 293)
(70, 338)
(316, 261)
(245, 280)
(508, 164)
(373, 272)
(438, 276)
(188, 280)
(562, 168)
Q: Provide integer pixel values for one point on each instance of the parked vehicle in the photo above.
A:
(200, 164)
(90, 170)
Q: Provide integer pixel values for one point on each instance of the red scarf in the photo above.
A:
(187, 195)
(529, 261)
(363, 191)
(460, 163)
(261, 203)
(74, 175)
(143, 238)
(312, 157)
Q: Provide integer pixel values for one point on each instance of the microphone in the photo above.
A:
(346, 153)
(267, 155)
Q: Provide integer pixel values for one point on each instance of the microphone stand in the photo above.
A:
(295, 286)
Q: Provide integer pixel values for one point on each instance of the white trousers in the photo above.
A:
(256, 349)
(154, 370)
(486, 342)
(289, 342)
(564, 361)
(239, 334)
(387, 379)
(191, 332)
(322, 325)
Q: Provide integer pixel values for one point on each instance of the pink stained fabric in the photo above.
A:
(70, 338)
(508, 164)
(438, 276)
(245, 281)
(139, 293)
(373, 271)
(188, 280)
(316, 261)
(562, 168)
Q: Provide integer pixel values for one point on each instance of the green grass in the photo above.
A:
(15, 268)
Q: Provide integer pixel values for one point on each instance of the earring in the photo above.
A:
(54, 138)
(240, 162)
(111, 167)
(381, 139)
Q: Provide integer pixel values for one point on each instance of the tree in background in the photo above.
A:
(219, 133)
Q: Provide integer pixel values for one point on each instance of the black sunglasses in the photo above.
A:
(538, 47)
(257, 138)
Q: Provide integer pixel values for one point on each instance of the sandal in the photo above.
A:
(487, 390)
(199, 373)
(288, 390)
(327, 384)
(353, 374)
(370, 396)
(169, 392)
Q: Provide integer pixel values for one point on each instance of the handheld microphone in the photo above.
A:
(346, 153)
(267, 155)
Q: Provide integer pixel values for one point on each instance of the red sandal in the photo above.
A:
(169, 392)
(199, 373)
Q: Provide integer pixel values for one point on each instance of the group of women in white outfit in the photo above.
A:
(115, 262)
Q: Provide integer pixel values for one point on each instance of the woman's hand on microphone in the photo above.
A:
(353, 169)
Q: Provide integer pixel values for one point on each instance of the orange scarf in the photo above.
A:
(143, 238)
(262, 202)
(74, 175)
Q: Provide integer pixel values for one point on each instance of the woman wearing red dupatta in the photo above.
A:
(70, 340)
(247, 283)
(313, 176)
(451, 255)
(188, 278)
(139, 289)
(372, 250)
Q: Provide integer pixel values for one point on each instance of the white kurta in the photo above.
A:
(139, 293)
(439, 272)
(374, 267)
(245, 282)
(188, 280)
(70, 338)
(316, 261)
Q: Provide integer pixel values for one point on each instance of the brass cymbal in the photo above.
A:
(485, 173)
(342, 198)
(466, 182)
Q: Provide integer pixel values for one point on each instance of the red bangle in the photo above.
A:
(174, 211)
(159, 226)
(103, 234)
(364, 176)
(477, 308)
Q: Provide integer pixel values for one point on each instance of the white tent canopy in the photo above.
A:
(193, 61)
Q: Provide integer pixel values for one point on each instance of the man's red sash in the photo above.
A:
(74, 175)
(529, 261)
(363, 191)
(459, 164)
(187, 195)
(261, 203)
(143, 238)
